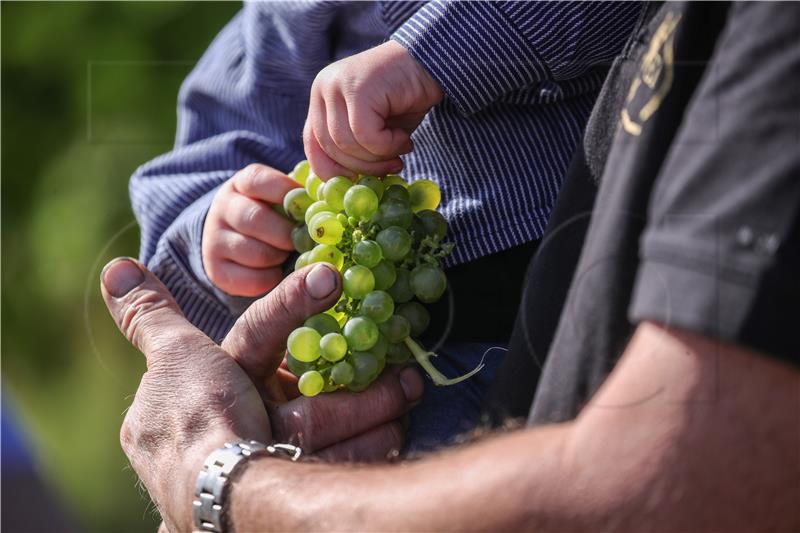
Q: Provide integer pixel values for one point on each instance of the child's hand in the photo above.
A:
(244, 240)
(363, 110)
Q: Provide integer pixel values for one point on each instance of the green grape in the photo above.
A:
(428, 283)
(398, 353)
(315, 209)
(401, 290)
(396, 328)
(325, 228)
(311, 383)
(330, 386)
(379, 350)
(321, 191)
(425, 194)
(360, 202)
(378, 306)
(335, 190)
(298, 368)
(296, 202)
(322, 323)
(373, 183)
(396, 193)
(394, 179)
(393, 213)
(302, 260)
(357, 281)
(417, 316)
(395, 243)
(361, 333)
(300, 172)
(333, 347)
(301, 239)
(385, 274)
(303, 344)
(343, 220)
(312, 185)
(367, 253)
(365, 366)
(430, 223)
(326, 253)
(342, 373)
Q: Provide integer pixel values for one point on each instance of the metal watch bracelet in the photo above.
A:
(209, 506)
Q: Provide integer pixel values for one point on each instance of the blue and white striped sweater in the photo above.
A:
(520, 79)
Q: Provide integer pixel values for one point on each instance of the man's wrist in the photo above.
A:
(191, 465)
(211, 507)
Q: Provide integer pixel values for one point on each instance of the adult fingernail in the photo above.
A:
(120, 276)
(412, 384)
(321, 281)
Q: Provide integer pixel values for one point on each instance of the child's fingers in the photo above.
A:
(339, 129)
(246, 251)
(264, 183)
(323, 166)
(258, 220)
(319, 127)
(238, 280)
(376, 134)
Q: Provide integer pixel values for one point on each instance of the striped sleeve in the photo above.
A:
(171, 195)
(481, 51)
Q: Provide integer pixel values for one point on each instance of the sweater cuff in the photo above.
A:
(471, 48)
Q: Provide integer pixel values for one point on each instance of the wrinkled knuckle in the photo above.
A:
(327, 145)
(285, 299)
(252, 330)
(252, 216)
(327, 75)
(137, 314)
(249, 176)
(390, 399)
(126, 437)
(342, 138)
(364, 135)
(397, 436)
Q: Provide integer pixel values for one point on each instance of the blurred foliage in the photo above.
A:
(88, 94)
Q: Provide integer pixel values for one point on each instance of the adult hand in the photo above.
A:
(195, 395)
(363, 110)
(245, 241)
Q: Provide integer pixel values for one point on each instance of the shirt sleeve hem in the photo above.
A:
(473, 51)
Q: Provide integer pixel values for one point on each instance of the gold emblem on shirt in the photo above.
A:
(654, 79)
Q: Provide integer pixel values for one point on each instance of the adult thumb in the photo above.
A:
(146, 313)
(258, 339)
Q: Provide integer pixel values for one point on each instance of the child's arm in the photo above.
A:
(172, 195)
(364, 108)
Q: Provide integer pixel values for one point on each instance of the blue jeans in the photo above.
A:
(446, 412)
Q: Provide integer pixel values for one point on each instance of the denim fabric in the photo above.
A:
(447, 412)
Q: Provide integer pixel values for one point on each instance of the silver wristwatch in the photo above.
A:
(208, 507)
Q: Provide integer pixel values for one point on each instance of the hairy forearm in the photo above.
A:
(686, 434)
(481, 486)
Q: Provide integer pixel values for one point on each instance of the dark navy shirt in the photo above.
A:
(519, 77)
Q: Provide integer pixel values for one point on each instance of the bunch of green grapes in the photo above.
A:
(386, 238)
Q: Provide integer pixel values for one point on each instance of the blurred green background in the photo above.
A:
(88, 94)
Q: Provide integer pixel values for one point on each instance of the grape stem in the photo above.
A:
(423, 357)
